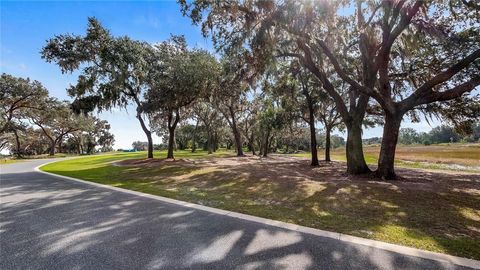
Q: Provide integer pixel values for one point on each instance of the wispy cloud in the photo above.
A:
(7, 66)
(147, 20)
(23, 66)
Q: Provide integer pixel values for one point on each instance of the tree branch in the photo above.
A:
(426, 89)
(450, 94)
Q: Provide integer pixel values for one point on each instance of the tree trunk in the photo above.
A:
(238, 141)
(252, 144)
(313, 138)
(237, 136)
(52, 148)
(149, 135)
(172, 124)
(17, 142)
(355, 159)
(209, 142)
(265, 146)
(150, 144)
(194, 139)
(215, 142)
(271, 146)
(327, 143)
(59, 144)
(171, 142)
(194, 145)
(386, 161)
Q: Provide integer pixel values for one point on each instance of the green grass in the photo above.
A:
(444, 220)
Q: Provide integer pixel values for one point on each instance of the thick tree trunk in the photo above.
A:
(355, 159)
(313, 138)
(327, 143)
(171, 142)
(238, 142)
(386, 161)
(148, 133)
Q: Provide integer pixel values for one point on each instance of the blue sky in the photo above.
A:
(25, 27)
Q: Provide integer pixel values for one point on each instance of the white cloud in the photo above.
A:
(147, 20)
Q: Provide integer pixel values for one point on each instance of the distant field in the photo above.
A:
(441, 157)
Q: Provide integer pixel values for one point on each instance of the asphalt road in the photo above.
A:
(48, 222)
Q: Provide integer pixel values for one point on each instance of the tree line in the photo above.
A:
(440, 134)
(282, 67)
(34, 123)
(191, 137)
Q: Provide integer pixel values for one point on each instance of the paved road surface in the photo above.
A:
(52, 223)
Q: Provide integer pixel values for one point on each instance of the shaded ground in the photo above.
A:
(428, 210)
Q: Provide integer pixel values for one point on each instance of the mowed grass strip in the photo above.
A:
(443, 220)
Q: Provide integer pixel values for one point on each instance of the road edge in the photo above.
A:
(404, 250)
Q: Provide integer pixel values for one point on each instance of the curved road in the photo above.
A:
(47, 222)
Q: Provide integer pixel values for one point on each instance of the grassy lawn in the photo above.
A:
(433, 211)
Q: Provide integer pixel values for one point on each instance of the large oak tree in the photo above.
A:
(114, 70)
(179, 77)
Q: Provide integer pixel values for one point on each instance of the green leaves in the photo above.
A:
(114, 71)
(182, 76)
(18, 96)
